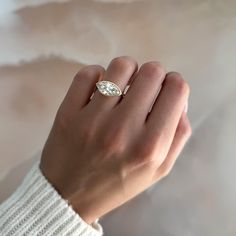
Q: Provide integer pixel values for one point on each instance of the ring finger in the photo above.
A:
(119, 71)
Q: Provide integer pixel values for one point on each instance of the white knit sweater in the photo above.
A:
(36, 208)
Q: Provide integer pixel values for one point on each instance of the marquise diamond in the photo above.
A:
(108, 88)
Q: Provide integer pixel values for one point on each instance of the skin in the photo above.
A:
(102, 151)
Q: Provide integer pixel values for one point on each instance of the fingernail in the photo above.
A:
(186, 107)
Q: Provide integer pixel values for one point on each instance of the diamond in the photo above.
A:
(108, 88)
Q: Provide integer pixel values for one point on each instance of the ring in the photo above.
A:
(108, 88)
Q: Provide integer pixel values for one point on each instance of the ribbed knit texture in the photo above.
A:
(36, 208)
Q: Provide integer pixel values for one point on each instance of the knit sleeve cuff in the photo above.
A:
(36, 208)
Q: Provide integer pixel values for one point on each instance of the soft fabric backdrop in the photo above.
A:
(42, 45)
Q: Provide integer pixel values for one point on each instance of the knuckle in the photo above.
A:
(177, 81)
(83, 72)
(87, 135)
(147, 149)
(124, 62)
(153, 69)
(146, 153)
(114, 141)
(165, 169)
(165, 172)
(62, 120)
(185, 129)
(88, 71)
(188, 132)
(87, 132)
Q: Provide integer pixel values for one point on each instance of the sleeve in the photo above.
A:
(36, 208)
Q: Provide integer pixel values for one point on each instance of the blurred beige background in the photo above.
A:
(43, 44)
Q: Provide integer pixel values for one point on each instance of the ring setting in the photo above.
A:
(108, 88)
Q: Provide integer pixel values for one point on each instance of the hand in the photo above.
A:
(101, 152)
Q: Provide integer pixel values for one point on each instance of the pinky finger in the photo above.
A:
(182, 134)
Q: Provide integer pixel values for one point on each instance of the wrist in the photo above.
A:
(38, 207)
(86, 205)
(97, 200)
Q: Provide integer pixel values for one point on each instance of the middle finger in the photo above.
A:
(142, 92)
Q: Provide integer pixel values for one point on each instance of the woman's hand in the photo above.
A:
(103, 151)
